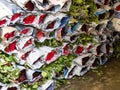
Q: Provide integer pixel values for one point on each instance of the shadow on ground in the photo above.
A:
(106, 77)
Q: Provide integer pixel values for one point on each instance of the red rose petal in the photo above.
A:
(89, 47)
(24, 56)
(41, 18)
(24, 31)
(50, 55)
(29, 19)
(27, 43)
(11, 47)
(79, 50)
(22, 76)
(9, 35)
(29, 5)
(117, 8)
(7, 49)
(65, 50)
(2, 22)
(51, 25)
(39, 34)
(15, 16)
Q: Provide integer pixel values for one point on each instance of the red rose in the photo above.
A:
(65, 50)
(22, 76)
(11, 47)
(51, 25)
(79, 50)
(117, 8)
(2, 22)
(9, 35)
(39, 34)
(29, 19)
(41, 18)
(24, 31)
(27, 43)
(50, 55)
(25, 55)
(89, 47)
(15, 16)
(29, 5)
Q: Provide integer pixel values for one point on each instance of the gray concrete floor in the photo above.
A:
(106, 77)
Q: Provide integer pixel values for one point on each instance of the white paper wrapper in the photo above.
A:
(4, 22)
(103, 59)
(65, 49)
(28, 31)
(50, 54)
(24, 4)
(28, 23)
(96, 63)
(76, 70)
(7, 8)
(29, 19)
(70, 72)
(98, 49)
(116, 23)
(83, 60)
(22, 56)
(8, 33)
(11, 48)
(33, 75)
(53, 6)
(40, 35)
(53, 21)
(35, 58)
(25, 43)
(79, 50)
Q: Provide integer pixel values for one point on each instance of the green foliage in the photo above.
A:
(58, 65)
(78, 1)
(30, 86)
(83, 10)
(116, 49)
(49, 42)
(83, 39)
(7, 72)
(59, 83)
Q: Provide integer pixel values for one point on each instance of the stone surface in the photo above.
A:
(106, 77)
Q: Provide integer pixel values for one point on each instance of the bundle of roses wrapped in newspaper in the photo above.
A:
(40, 44)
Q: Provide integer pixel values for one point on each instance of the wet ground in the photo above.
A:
(106, 77)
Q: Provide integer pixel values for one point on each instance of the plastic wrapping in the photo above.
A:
(50, 6)
(25, 22)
